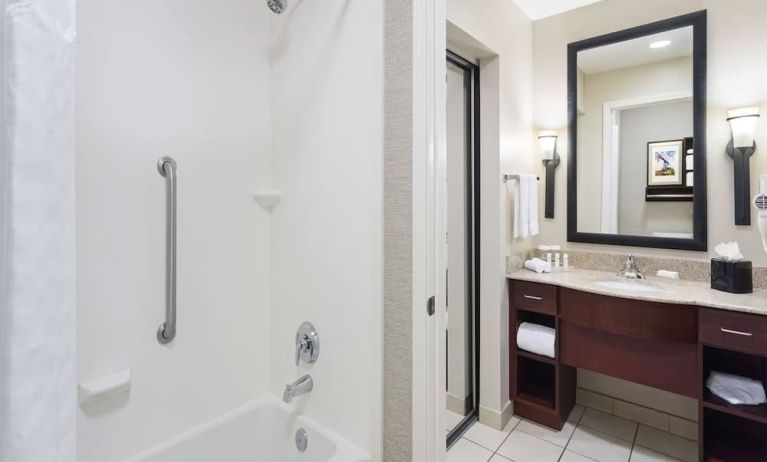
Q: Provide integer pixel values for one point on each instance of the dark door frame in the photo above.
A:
(471, 72)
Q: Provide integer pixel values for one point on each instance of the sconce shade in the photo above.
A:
(548, 142)
(743, 124)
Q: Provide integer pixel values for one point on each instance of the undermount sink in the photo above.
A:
(635, 286)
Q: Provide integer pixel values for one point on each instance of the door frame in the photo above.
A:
(428, 106)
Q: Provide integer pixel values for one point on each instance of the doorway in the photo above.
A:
(459, 191)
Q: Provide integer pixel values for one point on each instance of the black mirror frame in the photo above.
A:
(698, 21)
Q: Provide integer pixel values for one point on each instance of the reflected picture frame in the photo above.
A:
(665, 163)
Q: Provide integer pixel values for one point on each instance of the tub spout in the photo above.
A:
(299, 387)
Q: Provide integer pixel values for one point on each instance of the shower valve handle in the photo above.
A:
(307, 344)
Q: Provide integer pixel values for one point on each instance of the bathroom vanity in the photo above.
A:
(666, 335)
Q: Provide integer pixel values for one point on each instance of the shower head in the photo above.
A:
(278, 6)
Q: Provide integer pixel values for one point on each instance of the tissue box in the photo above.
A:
(732, 276)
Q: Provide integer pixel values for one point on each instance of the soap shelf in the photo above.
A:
(268, 200)
(104, 387)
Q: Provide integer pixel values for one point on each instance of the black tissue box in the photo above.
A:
(732, 276)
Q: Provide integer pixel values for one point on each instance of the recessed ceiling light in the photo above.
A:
(660, 44)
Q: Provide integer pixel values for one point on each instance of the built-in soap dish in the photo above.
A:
(268, 200)
(104, 387)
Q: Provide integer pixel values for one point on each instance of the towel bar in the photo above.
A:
(510, 177)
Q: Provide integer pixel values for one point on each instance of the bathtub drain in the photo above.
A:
(302, 439)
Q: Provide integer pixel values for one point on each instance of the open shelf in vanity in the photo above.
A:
(733, 343)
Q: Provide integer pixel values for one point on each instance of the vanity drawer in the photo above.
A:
(531, 296)
(739, 331)
(645, 320)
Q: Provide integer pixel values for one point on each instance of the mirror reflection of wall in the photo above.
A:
(635, 128)
(459, 338)
(459, 215)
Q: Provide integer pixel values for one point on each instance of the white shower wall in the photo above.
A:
(327, 234)
(244, 100)
(189, 79)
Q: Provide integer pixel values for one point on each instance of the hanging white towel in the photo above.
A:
(532, 199)
(515, 190)
(525, 206)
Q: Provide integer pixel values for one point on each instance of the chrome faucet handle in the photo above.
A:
(630, 269)
(307, 344)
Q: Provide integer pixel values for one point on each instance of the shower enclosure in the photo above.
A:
(276, 220)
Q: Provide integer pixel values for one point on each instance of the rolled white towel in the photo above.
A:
(735, 389)
(538, 265)
(536, 339)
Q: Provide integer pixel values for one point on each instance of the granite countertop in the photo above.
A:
(668, 291)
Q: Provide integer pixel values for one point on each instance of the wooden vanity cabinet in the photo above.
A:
(542, 388)
(655, 344)
(667, 346)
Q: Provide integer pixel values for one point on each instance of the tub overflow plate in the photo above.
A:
(302, 440)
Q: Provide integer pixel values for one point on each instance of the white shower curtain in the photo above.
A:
(37, 295)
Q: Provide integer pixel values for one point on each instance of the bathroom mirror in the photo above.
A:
(637, 141)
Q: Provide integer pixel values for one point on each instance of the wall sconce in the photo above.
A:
(548, 142)
(741, 148)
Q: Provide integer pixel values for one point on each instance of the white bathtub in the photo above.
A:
(263, 431)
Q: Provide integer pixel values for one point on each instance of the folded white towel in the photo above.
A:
(536, 339)
(735, 389)
(538, 265)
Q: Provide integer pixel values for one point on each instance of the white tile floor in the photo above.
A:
(588, 436)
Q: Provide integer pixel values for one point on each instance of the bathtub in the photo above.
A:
(263, 431)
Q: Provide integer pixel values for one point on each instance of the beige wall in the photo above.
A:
(737, 65)
(505, 35)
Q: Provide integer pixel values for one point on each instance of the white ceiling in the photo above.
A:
(538, 9)
(636, 52)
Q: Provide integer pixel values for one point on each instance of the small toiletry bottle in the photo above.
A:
(556, 261)
(548, 258)
(566, 261)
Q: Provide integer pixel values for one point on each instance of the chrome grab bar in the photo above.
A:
(167, 330)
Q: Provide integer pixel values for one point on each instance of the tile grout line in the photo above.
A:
(504, 440)
(577, 424)
(634, 443)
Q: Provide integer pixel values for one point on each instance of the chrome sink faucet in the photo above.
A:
(301, 386)
(630, 269)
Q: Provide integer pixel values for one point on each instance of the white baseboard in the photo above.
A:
(458, 404)
(496, 419)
